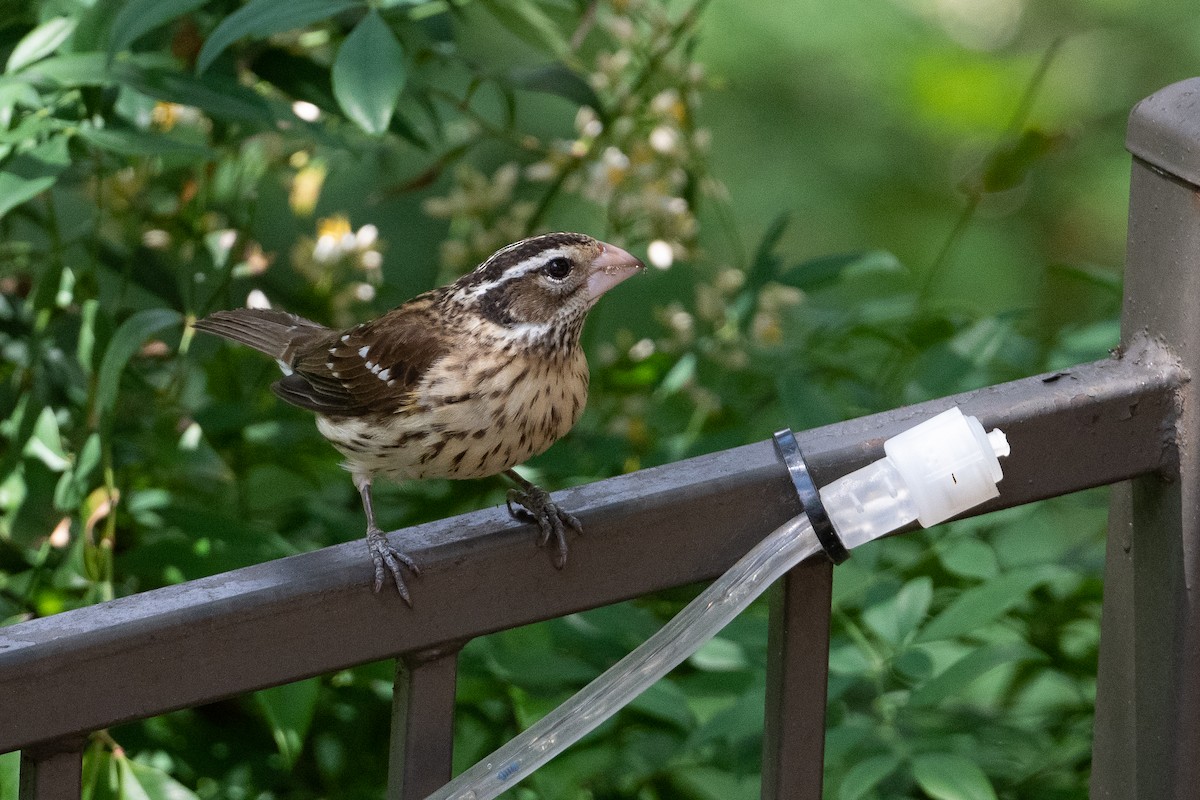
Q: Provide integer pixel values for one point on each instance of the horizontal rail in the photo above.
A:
(260, 626)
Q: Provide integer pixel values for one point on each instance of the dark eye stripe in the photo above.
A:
(495, 267)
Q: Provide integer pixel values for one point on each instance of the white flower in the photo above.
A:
(371, 259)
(326, 248)
(660, 254)
(587, 123)
(642, 350)
(665, 103)
(542, 171)
(306, 111)
(156, 239)
(367, 235)
(664, 139)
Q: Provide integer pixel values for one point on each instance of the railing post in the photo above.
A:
(422, 746)
(53, 771)
(1147, 733)
(797, 679)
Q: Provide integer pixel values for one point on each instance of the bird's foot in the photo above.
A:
(533, 504)
(384, 555)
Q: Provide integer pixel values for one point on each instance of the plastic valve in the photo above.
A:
(932, 472)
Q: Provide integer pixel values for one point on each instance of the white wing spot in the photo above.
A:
(362, 351)
(384, 375)
(345, 337)
(329, 365)
(371, 365)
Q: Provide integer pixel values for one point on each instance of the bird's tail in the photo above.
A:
(275, 333)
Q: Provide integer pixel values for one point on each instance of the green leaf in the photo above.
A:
(1103, 278)
(946, 776)
(135, 143)
(138, 17)
(1008, 166)
(899, 615)
(866, 775)
(849, 659)
(665, 701)
(10, 766)
(17, 428)
(219, 96)
(969, 557)
(765, 264)
(128, 338)
(289, 711)
(525, 20)
(46, 443)
(29, 173)
(72, 487)
(678, 376)
(86, 344)
(708, 783)
(982, 604)
(14, 94)
(262, 18)
(369, 74)
(719, 655)
(822, 271)
(959, 675)
(557, 79)
(725, 723)
(32, 128)
(141, 782)
(95, 23)
(70, 69)
(40, 42)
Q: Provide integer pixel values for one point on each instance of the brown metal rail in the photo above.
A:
(64, 676)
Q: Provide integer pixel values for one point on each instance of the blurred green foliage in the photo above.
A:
(876, 202)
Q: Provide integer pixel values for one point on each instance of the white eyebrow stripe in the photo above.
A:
(517, 270)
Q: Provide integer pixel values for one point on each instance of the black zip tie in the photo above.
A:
(810, 498)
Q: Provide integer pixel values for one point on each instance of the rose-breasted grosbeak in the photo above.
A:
(464, 381)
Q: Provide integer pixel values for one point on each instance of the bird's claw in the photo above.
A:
(384, 555)
(534, 505)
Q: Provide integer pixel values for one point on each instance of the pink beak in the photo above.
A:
(612, 266)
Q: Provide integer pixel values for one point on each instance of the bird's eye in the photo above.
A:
(557, 268)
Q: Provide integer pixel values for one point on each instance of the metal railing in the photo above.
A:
(1129, 418)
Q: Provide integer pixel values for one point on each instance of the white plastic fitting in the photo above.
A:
(933, 471)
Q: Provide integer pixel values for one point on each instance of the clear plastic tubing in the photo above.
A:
(930, 472)
(699, 621)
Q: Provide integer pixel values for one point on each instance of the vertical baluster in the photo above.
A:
(422, 743)
(1148, 690)
(53, 771)
(797, 675)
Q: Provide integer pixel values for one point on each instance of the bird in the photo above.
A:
(464, 381)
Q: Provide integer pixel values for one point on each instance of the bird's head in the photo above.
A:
(545, 284)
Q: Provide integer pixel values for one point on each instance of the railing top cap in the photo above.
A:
(1164, 130)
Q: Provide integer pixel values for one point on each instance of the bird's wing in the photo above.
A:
(370, 367)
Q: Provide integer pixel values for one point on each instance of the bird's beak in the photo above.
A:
(612, 266)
